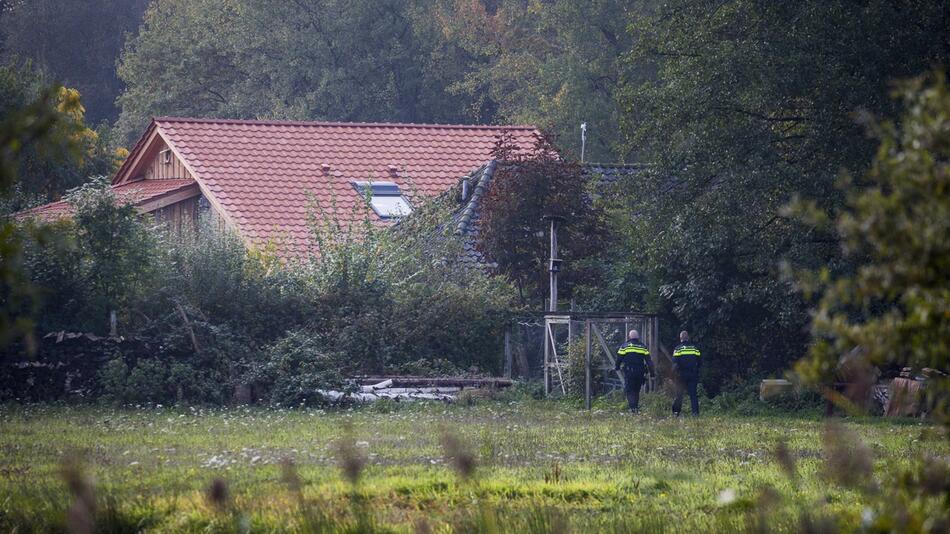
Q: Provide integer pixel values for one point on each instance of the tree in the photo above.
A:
(68, 152)
(896, 226)
(554, 64)
(290, 60)
(526, 188)
(78, 42)
(739, 105)
(30, 125)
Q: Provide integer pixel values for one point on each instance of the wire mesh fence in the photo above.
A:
(574, 353)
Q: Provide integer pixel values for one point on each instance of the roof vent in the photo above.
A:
(464, 189)
(325, 167)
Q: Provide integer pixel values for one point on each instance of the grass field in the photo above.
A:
(538, 467)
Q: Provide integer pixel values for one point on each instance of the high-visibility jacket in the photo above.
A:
(634, 357)
(686, 360)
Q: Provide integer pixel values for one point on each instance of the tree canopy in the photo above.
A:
(68, 154)
(290, 60)
(732, 108)
(739, 105)
(77, 42)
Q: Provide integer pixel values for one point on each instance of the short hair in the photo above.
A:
(684, 336)
(633, 335)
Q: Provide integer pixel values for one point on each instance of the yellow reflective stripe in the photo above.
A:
(686, 352)
(633, 350)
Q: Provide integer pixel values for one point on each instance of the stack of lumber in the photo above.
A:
(410, 388)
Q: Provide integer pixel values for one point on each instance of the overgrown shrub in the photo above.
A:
(294, 367)
(208, 316)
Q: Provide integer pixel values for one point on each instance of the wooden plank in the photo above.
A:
(169, 199)
(422, 381)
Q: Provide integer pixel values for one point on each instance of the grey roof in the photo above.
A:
(612, 173)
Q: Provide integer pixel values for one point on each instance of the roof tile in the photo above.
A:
(137, 193)
(265, 173)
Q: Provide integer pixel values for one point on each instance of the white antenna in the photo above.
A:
(583, 139)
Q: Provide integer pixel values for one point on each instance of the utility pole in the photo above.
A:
(550, 350)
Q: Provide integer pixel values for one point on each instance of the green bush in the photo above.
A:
(741, 397)
(199, 315)
(294, 368)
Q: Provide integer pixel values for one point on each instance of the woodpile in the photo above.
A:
(412, 388)
(906, 395)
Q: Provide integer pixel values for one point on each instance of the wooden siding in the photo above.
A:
(180, 216)
(162, 165)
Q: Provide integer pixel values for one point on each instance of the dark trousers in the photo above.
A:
(633, 381)
(686, 385)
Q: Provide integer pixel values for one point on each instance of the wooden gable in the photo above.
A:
(160, 163)
(152, 159)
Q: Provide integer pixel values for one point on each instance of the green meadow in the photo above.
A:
(494, 466)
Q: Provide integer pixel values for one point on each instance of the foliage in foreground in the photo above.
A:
(896, 305)
(492, 467)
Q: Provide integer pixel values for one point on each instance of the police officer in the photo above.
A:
(686, 368)
(634, 357)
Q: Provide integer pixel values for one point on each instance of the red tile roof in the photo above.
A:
(137, 193)
(263, 175)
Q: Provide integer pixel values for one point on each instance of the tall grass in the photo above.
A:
(496, 466)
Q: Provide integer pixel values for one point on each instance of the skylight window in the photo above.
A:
(385, 198)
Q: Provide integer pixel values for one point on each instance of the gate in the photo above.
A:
(602, 334)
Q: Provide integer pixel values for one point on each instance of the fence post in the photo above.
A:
(508, 359)
(587, 392)
(547, 359)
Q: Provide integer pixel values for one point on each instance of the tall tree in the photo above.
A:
(747, 103)
(78, 42)
(551, 63)
(363, 60)
(70, 151)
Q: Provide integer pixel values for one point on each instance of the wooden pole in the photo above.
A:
(508, 359)
(587, 392)
(547, 359)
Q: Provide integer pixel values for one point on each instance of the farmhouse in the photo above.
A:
(268, 180)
